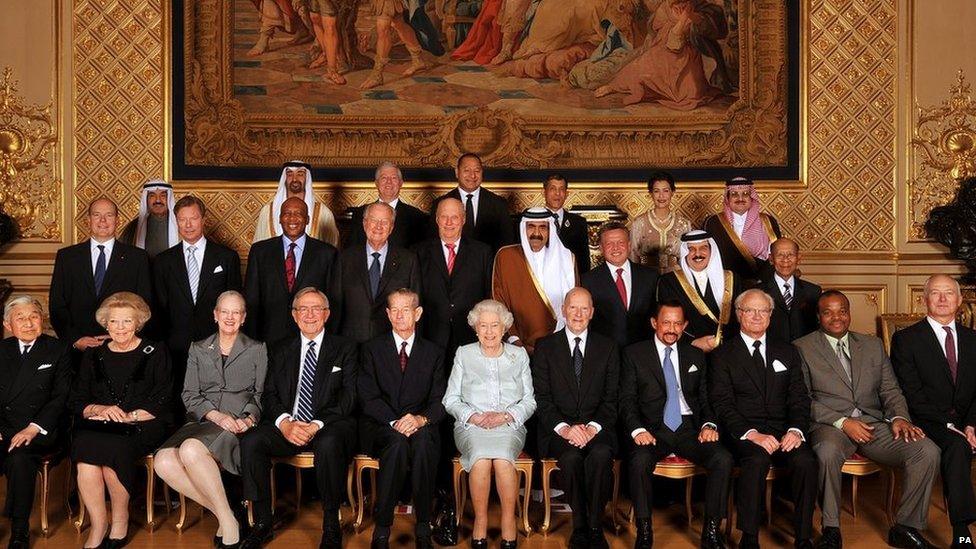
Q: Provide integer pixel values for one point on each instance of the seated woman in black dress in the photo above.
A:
(121, 401)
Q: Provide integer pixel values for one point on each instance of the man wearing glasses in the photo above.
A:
(309, 395)
(758, 393)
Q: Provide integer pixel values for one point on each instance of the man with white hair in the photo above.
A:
(532, 278)
(705, 290)
(410, 224)
(296, 180)
(742, 232)
(34, 374)
(154, 229)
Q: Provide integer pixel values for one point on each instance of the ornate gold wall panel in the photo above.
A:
(119, 80)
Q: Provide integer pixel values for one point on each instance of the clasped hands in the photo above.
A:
(490, 420)
(105, 412)
(707, 434)
(578, 435)
(298, 433)
(790, 441)
(228, 422)
(409, 424)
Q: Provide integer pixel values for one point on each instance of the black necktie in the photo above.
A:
(469, 210)
(578, 360)
(374, 275)
(23, 355)
(757, 357)
(100, 268)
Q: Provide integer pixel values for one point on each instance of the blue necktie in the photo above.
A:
(374, 275)
(672, 407)
(99, 269)
(306, 384)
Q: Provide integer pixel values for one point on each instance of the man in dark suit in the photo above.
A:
(707, 292)
(664, 408)
(34, 383)
(486, 214)
(309, 397)
(87, 273)
(400, 387)
(623, 292)
(742, 232)
(795, 313)
(366, 273)
(187, 279)
(571, 228)
(575, 375)
(456, 272)
(757, 391)
(278, 267)
(935, 361)
(410, 225)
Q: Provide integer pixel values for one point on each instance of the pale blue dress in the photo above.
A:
(485, 384)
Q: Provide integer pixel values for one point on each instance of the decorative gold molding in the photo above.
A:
(28, 135)
(945, 137)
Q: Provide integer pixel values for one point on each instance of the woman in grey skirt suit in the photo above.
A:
(490, 395)
(222, 393)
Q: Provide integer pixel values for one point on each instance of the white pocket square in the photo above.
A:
(44, 366)
(219, 269)
(778, 366)
(336, 369)
(693, 369)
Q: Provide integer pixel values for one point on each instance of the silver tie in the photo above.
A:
(845, 361)
(193, 270)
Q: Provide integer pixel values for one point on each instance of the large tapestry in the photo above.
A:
(606, 88)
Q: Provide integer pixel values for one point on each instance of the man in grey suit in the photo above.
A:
(857, 406)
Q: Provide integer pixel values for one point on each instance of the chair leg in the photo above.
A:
(617, 527)
(688, 498)
(769, 503)
(150, 493)
(372, 486)
(458, 493)
(360, 504)
(274, 491)
(45, 489)
(854, 497)
(182, 521)
(250, 512)
(298, 491)
(526, 498)
(80, 521)
(546, 499)
(166, 499)
(349, 493)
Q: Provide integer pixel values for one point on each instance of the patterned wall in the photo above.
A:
(847, 205)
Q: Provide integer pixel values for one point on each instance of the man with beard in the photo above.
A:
(296, 182)
(704, 289)
(154, 228)
(742, 232)
(531, 279)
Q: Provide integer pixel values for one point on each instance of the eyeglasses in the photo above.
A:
(760, 312)
(317, 309)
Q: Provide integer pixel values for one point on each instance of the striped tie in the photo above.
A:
(787, 296)
(193, 270)
(305, 385)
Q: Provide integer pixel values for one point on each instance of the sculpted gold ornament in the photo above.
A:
(946, 137)
(27, 136)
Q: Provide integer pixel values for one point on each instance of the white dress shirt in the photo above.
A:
(201, 247)
(940, 333)
(571, 340)
(762, 351)
(444, 250)
(393, 203)
(781, 282)
(624, 275)
(739, 222)
(301, 367)
(475, 194)
(701, 278)
(398, 342)
(109, 245)
(560, 215)
(382, 259)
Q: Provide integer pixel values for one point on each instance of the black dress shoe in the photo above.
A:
(446, 532)
(645, 535)
(331, 533)
(597, 539)
(259, 535)
(217, 541)
(711, 537)
(479, 543)
(19, 539)
(830, 539)
(424, 541)
(803, 544)
(381, 542)
(112, 543)
(580, 539)
(749, 541)
(231, 545)
(906, 537)
(509, 544)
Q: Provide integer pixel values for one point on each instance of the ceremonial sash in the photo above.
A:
(725, 310)
(740, 245)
